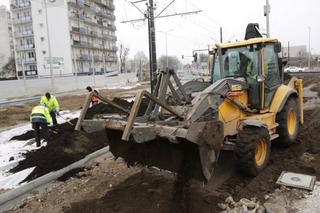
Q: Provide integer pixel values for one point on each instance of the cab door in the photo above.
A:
(271, 74)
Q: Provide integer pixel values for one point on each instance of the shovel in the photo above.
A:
(66, 120)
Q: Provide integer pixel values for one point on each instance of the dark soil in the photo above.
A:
(105, 109)
(71, 173)
(54, 134)
(65, 149)
(149, 192)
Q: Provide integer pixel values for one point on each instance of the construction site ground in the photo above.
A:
(109, 185)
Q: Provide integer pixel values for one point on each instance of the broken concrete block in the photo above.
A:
(274, 208)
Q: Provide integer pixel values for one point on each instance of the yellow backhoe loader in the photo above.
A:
(244, 108)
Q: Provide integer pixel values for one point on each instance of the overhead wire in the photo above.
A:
(215, 21)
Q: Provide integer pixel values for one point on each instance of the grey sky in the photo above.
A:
(289, 22)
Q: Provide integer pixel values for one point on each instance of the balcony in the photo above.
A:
(110, 59)
(93, 33)
(23, 19)
(84, 57)
(26, 33)
(75, 29)
(26, 60)
(98, 58)
(93, 46)
(81, 43)
(84, 43)
(25, 47)
(22, 5)
(30, 60)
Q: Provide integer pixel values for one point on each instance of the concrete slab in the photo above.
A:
(297, 180)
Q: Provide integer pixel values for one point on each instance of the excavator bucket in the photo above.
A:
(153, 132)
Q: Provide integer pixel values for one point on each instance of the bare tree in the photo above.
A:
(123, 55)
(9, 69)
(141, 65)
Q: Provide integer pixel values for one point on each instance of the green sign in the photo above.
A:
(56, 62)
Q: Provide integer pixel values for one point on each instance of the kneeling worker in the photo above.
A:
(40, 118)
(53, 106)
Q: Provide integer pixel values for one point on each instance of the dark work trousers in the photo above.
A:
(54, 118)
(40, 130)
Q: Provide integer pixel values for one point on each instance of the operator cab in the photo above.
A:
(254, 61)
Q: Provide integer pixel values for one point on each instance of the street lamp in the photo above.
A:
(309, 59)
(49, 45)
(267, 15)
(166, 34)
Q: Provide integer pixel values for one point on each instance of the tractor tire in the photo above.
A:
(288, 120)
(252, 150)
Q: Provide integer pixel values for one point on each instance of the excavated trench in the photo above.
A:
(161, 191)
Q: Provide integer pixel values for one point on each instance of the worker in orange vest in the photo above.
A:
(94, 99)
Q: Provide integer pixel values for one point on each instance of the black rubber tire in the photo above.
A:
(285, 139)
(245, 150)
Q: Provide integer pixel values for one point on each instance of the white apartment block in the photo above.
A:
(6, 40)
(81, 34)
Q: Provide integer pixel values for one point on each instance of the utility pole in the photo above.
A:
(93, 69)
(152, 45)
(267, 15)
(22, 57)
(150, 16)
(49, 48)
(309, 59)
(288, 51)
(221, 36)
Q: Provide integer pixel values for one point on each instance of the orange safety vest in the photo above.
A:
(94, 99)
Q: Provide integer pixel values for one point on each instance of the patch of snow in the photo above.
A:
(130, 99)
(5, 136)
(14, 180)
(121, 86)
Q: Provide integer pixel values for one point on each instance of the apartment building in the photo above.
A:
(6, 39)
(75, 36)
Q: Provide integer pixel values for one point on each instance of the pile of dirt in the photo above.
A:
(150, 192)
(105, 109)
(53, 133)
(65, 149)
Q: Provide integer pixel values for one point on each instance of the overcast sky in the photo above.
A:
(289, 21)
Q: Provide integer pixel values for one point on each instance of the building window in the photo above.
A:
(42, 38)
(39, 11)
(43, 52)
(41, 24)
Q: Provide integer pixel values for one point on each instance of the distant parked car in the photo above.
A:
(294, 69)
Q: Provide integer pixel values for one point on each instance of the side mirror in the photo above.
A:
(277, 47)
(260, 78)
(195, 57)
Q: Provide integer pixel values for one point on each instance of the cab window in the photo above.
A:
(271, 73)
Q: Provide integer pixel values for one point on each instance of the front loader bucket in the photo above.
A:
(157, 135)
(160, 153)
(196, 153)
